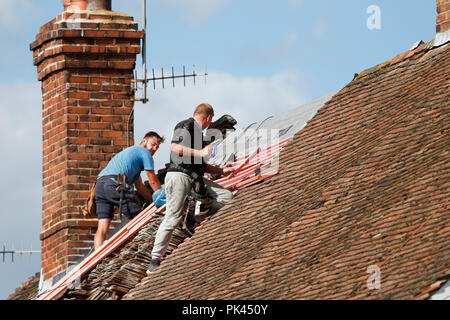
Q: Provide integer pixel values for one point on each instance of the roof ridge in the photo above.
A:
(414, 51)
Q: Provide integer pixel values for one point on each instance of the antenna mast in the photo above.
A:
(13, 252)
(146, 80)
(144, 48)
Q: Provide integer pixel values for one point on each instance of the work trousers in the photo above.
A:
(178, 186)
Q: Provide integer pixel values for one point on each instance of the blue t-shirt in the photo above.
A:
(129, 162)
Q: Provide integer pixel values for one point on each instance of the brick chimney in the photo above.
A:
(85, 59)
(443, 16)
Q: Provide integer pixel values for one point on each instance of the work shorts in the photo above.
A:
(107, 196)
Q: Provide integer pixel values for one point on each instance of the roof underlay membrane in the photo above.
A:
(266, 132)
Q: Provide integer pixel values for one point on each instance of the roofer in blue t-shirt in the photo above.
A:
(115, 181)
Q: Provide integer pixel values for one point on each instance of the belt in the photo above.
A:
(190, 173)
(120, 178)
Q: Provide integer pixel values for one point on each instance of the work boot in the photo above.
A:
(154, 264)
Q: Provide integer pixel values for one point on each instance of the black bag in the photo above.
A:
(199, 190)
(89, 210)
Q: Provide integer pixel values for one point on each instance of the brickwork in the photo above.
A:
(85, 61)
(443, 16)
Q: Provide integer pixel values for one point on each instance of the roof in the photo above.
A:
(28, 290)
(121, 261)
(364, 184)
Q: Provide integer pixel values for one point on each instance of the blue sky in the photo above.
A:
(264, 57)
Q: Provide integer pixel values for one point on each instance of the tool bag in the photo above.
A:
(89, 211)
(119, 193)
(197, 206)
(188, 223)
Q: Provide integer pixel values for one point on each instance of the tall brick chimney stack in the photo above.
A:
(85, 59)
(443, 16)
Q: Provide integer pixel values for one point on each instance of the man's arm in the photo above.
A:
(154, 184)
(186, 151)
(220, 171)
(153, 180)
(143, 190)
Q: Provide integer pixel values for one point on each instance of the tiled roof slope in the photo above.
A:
(28, 290)
(365, 183)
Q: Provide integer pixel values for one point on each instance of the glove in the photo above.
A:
(211, 151)
(159, 197)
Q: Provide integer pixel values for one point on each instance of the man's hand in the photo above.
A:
(224, 171)
(159, 197)
(207, 151)
(227, 170)
(143, 190)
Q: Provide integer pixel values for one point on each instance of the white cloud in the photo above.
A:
(247, 99)
(320, 28)
(21, 187)
(12, 12)
(197, 11)
(273, 54)
(20, 112)
(21, 161)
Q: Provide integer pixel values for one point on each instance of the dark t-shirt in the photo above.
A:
(189, 134)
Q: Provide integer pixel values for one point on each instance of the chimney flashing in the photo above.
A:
(442, 38)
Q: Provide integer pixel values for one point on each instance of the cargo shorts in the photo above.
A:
(107, 196)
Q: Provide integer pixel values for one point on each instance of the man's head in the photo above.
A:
(203, 114)
(151, 141)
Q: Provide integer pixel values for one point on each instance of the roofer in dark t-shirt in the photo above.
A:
(126, 165)
(187, 157)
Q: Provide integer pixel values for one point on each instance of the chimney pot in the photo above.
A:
(87, 5)
(99, 5)
(75, 5)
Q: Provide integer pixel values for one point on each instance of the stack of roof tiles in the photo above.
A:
(124, 268)
(365, 184)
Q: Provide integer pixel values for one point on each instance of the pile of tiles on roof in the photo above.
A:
(124, 268)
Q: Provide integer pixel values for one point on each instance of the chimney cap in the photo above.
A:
(87, 5)
(75, 5)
